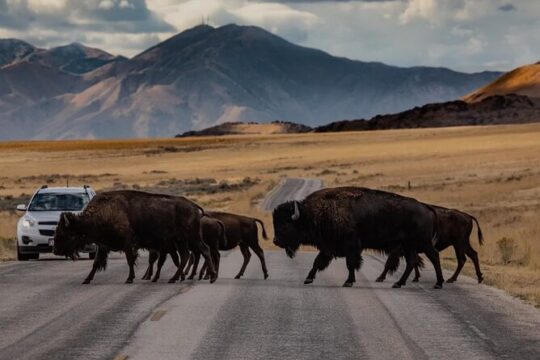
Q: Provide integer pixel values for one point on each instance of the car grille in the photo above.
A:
(48, 223)
(45, 232)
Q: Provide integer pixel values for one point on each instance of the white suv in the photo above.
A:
(35, 229)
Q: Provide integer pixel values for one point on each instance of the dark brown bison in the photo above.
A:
(131, 220)
(240, 231)
(454, 229)
(342, 222)
(213, 232)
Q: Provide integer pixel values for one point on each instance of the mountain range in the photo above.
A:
(202, 77)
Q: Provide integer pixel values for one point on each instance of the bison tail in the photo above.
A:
(265, 237)
(392, 263)
(223, 234)
(480, 235)
(420, 262)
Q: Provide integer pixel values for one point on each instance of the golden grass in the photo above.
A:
(492, 172)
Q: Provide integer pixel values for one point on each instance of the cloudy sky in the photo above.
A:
(467, 35)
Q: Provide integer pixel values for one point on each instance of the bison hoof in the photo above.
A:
(265, 276)
(379, 279)
(438, 286)
(129, 281)
(480, 279)
(308, 281)
(238, 276)
(415, 280)
(213, 279)
(86, 281)
(396, 285)
(154, 280)
(172, 281)
(207, 277)
(348, 284)
(451, 280)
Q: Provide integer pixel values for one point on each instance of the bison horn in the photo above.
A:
(66, 219)
(296, 214)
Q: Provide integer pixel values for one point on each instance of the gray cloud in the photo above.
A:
(95, 15)
(468, 35)
(507, 7)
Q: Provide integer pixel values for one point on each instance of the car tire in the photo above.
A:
(21, 256)
(91, 255)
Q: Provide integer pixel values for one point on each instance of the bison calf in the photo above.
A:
(454, 229)
(240, 231)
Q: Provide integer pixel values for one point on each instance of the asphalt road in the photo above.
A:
(45, 313)
(290, 189)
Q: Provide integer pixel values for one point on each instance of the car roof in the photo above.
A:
(71, 189)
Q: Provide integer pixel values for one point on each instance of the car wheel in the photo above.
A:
(92, 255)
(21, 256)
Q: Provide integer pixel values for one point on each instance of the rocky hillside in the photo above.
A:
(240, 128)
(493, 110)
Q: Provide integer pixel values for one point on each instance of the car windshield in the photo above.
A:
(59, 202)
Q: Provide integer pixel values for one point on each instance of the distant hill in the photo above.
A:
(241, 128)
(524, 80)
(206, 76)
(497, 109)
(74, 58)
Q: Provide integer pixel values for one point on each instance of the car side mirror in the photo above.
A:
(21, 207)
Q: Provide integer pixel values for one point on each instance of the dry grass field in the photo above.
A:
(491, 172)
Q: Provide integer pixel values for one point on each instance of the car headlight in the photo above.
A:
(26, 223)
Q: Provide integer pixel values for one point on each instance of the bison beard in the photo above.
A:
(131, 220)
(341, 222)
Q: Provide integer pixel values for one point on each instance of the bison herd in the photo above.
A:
(338, 222)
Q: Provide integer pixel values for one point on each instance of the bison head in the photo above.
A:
(69, 236)
(288, 226)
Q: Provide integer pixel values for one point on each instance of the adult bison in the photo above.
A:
(454, 229)
(213, 233)
(240, 231)
(131, 220)
(341, 222)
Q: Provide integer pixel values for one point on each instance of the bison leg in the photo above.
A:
(150, 269)
(100, 263)
(215, 258)
(320, 263)
(161, 261)
(190, 263)
(175, 259)
(260, 254)
(204, 274)
(471, 253)
(411, 259)
(353, 261)
(205, 251)
(184, 257)
(196, 259)
(433, 256)
(416, 273)
(461, 259)
(131, 257)
(247, 255)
